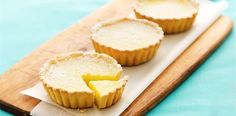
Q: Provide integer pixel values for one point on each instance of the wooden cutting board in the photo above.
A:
(24, 74)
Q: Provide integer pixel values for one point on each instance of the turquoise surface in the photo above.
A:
(210, 90)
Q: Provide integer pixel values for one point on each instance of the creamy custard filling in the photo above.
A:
(71, 74)
(128, 35)
(166, 8)
(105, 87)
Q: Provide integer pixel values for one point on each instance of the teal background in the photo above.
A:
(210, 90)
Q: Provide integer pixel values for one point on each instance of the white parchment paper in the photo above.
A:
(139, 76)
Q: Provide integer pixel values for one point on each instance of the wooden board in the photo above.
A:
(24, 74)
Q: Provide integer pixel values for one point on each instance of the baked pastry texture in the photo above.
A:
(174, 16)
(129, 41)
(66, 78)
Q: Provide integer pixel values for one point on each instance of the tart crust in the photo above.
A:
(170, 25)
(128, 57)
(73, 99)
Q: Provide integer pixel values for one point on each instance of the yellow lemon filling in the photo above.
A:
(90, 77)
(167, 8)
(128, 34)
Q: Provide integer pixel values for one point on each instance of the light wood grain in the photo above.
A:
(24, 74)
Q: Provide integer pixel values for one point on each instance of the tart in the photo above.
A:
(66, 78)
(107, 93)
(174, 16)
(129, 41)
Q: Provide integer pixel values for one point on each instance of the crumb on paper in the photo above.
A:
(82, 110)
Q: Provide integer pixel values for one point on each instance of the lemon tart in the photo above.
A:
(107, 93)
(129, 41)
(66, 77)
(174, 16)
